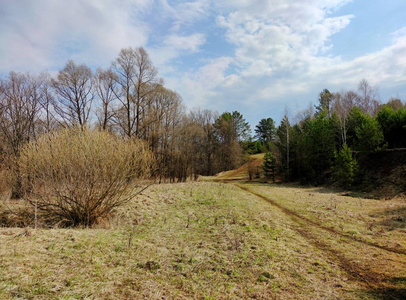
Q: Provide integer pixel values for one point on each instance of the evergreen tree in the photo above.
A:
(319, 147)
(283, 144)
(354, 120)
(369, 135)
(230, 130)
(393, 124)
(269, 165)
(345, 167)
(265, 130)
(325, 102)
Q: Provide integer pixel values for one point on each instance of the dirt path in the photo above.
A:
(380, 269)
(315, 224)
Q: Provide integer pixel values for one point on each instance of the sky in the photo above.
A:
(261, 58)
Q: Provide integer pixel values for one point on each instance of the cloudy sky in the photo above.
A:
(255, 56)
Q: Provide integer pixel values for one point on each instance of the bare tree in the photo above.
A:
(137, 78)
(395, 103)
(105, 86)
(73, 87)
(368, 97)
(230, 129)
(171, 121)
(343, 103)
(47, 115)
(19, 106)
(124, 67)
(207, 143)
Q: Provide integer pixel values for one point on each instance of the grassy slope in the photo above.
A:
(241, 173)
(192, 240)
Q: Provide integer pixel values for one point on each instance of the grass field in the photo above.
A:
(213, 240)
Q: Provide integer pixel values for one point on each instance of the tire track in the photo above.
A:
(376, 282)
(315, 224)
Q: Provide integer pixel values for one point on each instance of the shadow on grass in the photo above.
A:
(391, 289)
(388, 293)
(296, 185)
(393, 218)
(397, 290)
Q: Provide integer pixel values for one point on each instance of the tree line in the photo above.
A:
(336, 140)
(128, 100)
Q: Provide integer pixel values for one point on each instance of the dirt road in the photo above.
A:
(378, 268)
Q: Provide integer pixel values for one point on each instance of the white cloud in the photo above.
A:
(200, 87)
(283, 55)
(280, 49)
(283, 49)
(381, 67)
(282, 35)
(212, 74)
(39, 34)
(191, 42)
(182, 13)
(164, 55)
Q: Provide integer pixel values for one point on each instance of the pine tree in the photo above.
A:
(265, 130)
(269, 166)
(345, 167)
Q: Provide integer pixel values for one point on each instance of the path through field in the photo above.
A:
(377, 267)
(216, 240)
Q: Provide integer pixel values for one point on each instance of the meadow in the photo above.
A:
(216, 240)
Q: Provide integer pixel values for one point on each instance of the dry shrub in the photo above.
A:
(4, 185)
(77, 177)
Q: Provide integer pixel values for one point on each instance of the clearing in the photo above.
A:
(215, 240)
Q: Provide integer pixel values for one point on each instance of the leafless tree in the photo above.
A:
(137, 78)
(105, 86)
(395, 103)
(47, 115)
(368, 97)
(207, 143)
(19, 106)
(73, 88)
(171, 121)
(343, 103)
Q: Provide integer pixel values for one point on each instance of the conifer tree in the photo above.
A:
(345, 168)
(269, 166)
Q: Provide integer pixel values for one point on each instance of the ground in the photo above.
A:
(215, 240)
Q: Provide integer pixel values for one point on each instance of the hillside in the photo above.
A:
(384, 174)
(241, 173)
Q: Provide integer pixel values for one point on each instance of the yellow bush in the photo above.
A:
(76, 177)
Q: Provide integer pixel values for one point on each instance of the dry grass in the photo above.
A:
(255, 162)
(365, 238)
(379, 221)
(181, 241)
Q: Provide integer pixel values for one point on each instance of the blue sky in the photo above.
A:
(255, 56)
